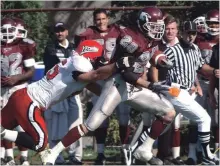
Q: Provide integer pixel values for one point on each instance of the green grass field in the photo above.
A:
(89, 156)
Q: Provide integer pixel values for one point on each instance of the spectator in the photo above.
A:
(63, 116)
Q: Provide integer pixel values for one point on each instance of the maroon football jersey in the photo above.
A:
(13, 56)
(205, 45)
(132, 42)
(107, 39)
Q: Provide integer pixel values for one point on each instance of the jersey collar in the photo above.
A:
(167, 44)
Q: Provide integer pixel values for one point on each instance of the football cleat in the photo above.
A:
(146, 156)
(190, 161)
(3, 162)
(167, 161)
(178, 161)
(24, 161)
(155, 161)
(207, 161)
(10, 161)
(73, 161)
(45, 156)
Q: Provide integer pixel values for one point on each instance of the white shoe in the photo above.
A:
(10, 161)
(143, 154)
(24, 161)
(45, 157)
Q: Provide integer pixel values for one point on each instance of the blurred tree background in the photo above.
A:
(38, 31)
(36, 22)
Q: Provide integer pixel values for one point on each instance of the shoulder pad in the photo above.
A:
(82, 64)
(87, 31)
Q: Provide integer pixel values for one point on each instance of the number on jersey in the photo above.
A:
(55, 70)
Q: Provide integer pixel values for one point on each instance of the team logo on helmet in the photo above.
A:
(87, 49)
(145, 16)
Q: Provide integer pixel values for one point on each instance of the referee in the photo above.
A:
(187, 60)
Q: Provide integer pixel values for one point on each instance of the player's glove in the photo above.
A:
(125, 62)
(158, 86)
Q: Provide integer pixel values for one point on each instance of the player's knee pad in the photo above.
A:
(95, 120)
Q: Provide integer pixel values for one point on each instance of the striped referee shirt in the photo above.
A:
(186, 62)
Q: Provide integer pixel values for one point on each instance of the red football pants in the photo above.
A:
(21, 110)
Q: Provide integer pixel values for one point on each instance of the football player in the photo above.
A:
(205, 45)
(106, 35)
(17, 67)
(67, 78)
(137, 42)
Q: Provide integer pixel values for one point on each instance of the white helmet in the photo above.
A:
(200, 24)
(8, 30)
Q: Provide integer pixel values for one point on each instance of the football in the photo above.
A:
(158, 59)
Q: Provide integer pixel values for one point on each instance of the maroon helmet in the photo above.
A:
(212, 22)
(150, 21)
(8, 30)
(21, 31)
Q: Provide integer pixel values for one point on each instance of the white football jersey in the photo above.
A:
(58, 83)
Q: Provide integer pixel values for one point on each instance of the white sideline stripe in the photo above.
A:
(36, 126)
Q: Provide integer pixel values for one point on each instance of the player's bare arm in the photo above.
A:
(94, 88)
(154, 74)
(208, 70)
(14, 79)
(198, 87)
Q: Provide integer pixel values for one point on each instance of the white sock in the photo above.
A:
(192, 151)
(176, 152)
(9, 153)
(58, 148)
(148, 143)
(2, 152)
(148, 146)
(100, 148)
(24, 153)
(10, 135)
